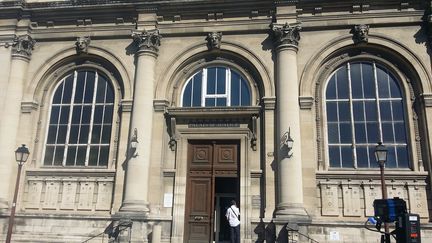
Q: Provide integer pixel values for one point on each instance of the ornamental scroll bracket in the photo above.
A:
(253, 139)
(173, 142)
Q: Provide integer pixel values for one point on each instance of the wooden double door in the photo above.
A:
(212, 181)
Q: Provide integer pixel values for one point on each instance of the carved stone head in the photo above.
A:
(214, 40)
(82, 44)
(361, 33)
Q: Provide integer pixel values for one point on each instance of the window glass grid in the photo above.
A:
(372, 119)
(80, 142)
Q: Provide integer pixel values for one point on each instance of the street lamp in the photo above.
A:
(21, 156)
(381, 158)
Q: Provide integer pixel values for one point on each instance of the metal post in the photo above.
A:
(12, 214)
(384, 196)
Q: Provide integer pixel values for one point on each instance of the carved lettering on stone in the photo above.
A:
(329, 200)
(51, 195)
(418, 200)
(86, 195)
(68, 195)
(370, 194)
(104, 195)
(34, 194)
(351, 200)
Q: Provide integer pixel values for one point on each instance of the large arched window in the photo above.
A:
(364, 105)
(80, 121)
(216, 86)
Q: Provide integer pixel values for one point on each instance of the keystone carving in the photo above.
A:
(214, 40)
(23, 45)
(147, 40)
(361, 33)
(82, 44)
(287, 34)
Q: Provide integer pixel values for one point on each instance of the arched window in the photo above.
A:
(364, 105)
(80, 121)
(216, 86)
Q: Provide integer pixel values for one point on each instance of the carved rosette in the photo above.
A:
(214, 40)
(147, 40)
(287, 35)
(361, 33)
(23, 46)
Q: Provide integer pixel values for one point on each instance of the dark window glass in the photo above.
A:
(362, 157)
(59, 153)
(103, 157)
(245, 93)
(55, 112)
(187, 94)
(76, 115)
(67, 93)
(334, 156)
(52, 134)
(49, 154)
(89, 88)
(98, 114)
(356, 81)
(344, 111)
(331, 88)
(342, 83)
(61, 135)
(64, 115)
(74, 131)
(333, 132)
(80, 84)
(221, 80)
(235, 89)
(383, 84)
(368, 80)
(108, 114)
(332, 111)
(94, 154)
(197, 90)
(211, 80)
(96, 134)
(81, 155)
(71, 155)
(347, 156)
(210, 102)
(58, 94)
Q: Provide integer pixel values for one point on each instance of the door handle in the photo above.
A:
(198, 218)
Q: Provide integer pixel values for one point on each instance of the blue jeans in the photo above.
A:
(235, 234)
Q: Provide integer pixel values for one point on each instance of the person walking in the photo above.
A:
(233, 216)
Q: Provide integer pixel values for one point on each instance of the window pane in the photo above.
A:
(235, 89)
(368, 80)
(332, 111)
(331, 88)
(360, 133)
(98, 114)
(73, 136)
(109, 92)
(372, 132)
(391, 157)
(383, 83)
(79, 92)
(108, 114)
(400, 132)
(395, 91)
(333, 132)
(398, 112)
(71, 155)
(356, 81)
(58, 94)
(81, 155)
(211, 80)
(334, 156)
(64, 115)
(358, 111)
(245, 93)
(221, 102)
(385, 110)
(387, 130)
(61, 135)
(83, 138)
(101, 89)
(55, 112)
(52, 133)
(210, 102)
(197, 89)
(104, 155)
(221, 80)
(342, 83)
(372, 159)
(90, 82)
(67, 93)
(187, 95)
(93, 157)
(76, 115)
(371, 111)
(347, 157)
(362, 157)
(96, 133)
(345, 132)
(106, 134)
(86, 115)
(49, 154)
(344, 111)
(402, 155)
(58, 157)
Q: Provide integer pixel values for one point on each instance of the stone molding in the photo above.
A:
(126, 105)
(214, 40)
(269, 103)
(82, 44)
(147, 41)
(22, 46)
(361, 33)
(29, 106)
(426, 99)
(160, 105)
(287, 35)
(306, 102)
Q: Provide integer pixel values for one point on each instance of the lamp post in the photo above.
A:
(381, 158)
(21, 156)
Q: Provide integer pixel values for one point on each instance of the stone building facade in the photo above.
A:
(145, 118)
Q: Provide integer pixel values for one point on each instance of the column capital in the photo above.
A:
(22, 46)
(147, 41)
(287, 35)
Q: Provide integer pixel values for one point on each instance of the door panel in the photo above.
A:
(206, 160)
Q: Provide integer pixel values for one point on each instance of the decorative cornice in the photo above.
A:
(269, 103)
(360, 33)
(29, 106)
(214, 40)
(160, 105)
(22, 46)
(287, 34)
(147, 40)
(82, 44)
(126, 105)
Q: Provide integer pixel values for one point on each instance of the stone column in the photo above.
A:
(290, 186)
(137, 169)
(21, 52)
